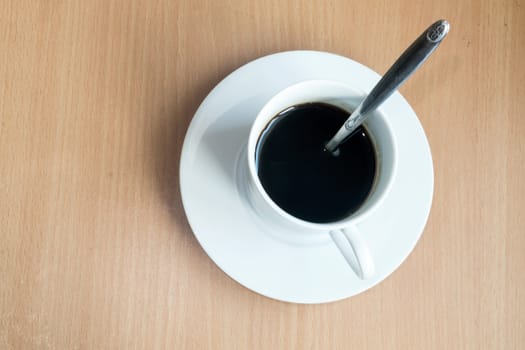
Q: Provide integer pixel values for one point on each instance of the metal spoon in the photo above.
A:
(404, 67)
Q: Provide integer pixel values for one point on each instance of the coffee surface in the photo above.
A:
(304, 179)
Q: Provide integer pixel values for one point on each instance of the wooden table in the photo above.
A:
(96, 251)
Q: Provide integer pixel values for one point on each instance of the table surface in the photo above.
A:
(96, 251)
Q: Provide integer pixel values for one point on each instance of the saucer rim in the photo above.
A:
(186, 145)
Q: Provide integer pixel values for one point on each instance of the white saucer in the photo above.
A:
(250, 250)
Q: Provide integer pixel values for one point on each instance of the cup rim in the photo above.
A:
(352, 218)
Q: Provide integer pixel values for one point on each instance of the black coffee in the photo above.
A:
(302, 177)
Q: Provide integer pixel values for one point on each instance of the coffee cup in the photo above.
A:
(344, 231)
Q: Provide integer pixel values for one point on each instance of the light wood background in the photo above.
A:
(95, 249)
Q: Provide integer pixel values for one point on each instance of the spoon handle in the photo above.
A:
(401, 70)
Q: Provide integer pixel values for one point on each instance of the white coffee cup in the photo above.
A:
(344, 233)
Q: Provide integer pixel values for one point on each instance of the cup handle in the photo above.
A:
(355, 251)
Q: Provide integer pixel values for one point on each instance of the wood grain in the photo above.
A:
(96, 252)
